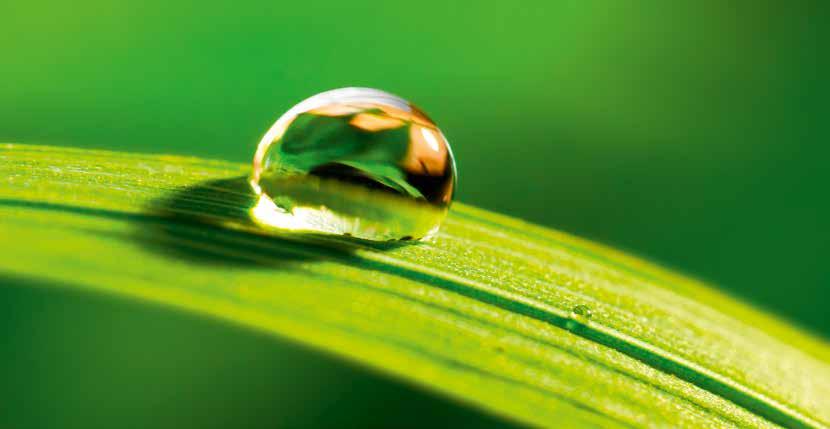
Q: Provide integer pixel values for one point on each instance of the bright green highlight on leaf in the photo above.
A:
(485, 313)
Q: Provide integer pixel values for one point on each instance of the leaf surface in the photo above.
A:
(483, 313)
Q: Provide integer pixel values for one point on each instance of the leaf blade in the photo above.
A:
(498, 311)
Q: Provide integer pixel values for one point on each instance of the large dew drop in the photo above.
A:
(354, 161)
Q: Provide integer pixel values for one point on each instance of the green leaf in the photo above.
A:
(483, 313)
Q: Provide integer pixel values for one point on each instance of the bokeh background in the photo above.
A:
(694, 133)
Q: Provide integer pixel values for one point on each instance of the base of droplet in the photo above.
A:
(326, 206)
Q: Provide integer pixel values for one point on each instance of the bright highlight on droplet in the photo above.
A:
(354, 161)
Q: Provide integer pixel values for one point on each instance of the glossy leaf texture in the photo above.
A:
(484, 313)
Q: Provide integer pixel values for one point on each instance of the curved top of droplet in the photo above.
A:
(350, 100)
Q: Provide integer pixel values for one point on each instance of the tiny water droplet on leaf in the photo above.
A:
(580, 315)
(355, 162)
(581, 312)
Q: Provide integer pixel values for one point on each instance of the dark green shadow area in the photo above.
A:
(209, 222)
(70, 359)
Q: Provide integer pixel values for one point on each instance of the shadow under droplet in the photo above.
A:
(210, 223)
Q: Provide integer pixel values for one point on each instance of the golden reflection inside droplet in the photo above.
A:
(425, 155)
(371, 122)
(336, 110)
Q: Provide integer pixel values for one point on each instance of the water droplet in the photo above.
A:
(580, 315)
(581, 312)
(354, 161)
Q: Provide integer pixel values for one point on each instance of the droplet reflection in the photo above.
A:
(354, 161)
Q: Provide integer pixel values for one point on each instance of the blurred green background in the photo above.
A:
(694, 133)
